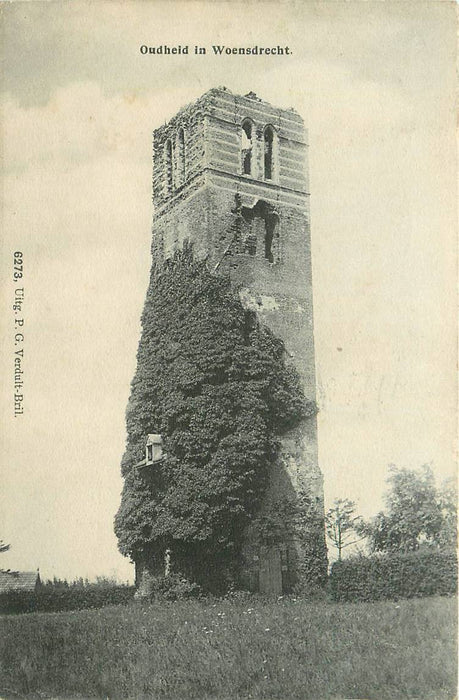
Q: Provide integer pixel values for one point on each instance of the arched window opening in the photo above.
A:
(181, 157)
(261, 231)
(168, 166)
(246, 147)
(268, 143)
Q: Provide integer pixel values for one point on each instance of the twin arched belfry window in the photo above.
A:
(247, 150)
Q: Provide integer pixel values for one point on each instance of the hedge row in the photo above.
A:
(59, 599)
(410, 575)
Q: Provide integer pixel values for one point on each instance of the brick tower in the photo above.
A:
(230, 176)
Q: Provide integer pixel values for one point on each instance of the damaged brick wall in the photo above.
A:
(249, 216)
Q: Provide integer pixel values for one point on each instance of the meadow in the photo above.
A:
(245, 648)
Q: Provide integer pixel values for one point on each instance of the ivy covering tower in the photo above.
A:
(221, 471)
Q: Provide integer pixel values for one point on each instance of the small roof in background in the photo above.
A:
(154, 439)
(18, 580)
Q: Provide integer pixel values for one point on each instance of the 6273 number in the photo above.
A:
(18, 266)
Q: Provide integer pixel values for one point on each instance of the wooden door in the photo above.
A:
(270, 571)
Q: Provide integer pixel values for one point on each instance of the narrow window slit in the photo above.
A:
(181, 165)
(268, 143)
(247, 147)
(168, 167)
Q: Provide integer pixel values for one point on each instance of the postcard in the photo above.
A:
(306, 152)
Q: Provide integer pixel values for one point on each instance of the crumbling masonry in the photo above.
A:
(230, 176)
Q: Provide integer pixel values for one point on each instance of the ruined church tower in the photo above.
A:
(230, 176)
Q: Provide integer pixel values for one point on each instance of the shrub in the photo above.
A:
(393, 576)
(174, 587)
(60, 599)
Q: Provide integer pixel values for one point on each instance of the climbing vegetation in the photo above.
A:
(214, 383)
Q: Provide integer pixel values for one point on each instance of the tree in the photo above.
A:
(215, 384)
(416, 513)
(342, 525)
(3, 547)
(447, 497)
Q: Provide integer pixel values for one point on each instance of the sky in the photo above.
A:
(375, 84)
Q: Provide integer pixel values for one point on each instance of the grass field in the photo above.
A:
(290, 649)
